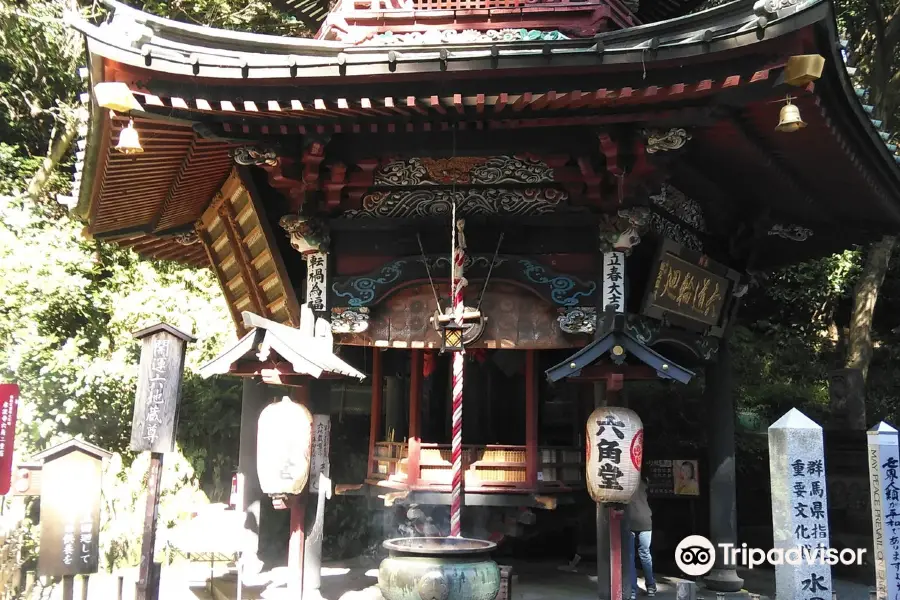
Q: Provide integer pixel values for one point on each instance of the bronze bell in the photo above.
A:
(790, 120)
(129, 142)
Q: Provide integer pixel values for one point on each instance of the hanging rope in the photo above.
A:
(437, 301)
(487, 280)
(458, 259)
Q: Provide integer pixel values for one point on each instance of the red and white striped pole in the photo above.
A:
(459, 257)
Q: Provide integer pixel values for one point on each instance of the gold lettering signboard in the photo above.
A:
(688, 290)
(681, 288)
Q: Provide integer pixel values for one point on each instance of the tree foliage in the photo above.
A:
(69, 304)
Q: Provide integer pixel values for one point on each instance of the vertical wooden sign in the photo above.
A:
(153, 428)
(316, 281)
(614, 281)
(9, 402)
(159, 387)
(70, 510)
(321, 446)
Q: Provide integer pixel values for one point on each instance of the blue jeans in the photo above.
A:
(643, 540)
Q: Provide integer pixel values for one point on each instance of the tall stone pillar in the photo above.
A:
(722, 491)
(255, 397)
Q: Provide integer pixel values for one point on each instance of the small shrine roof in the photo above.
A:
(73, 444)
(302, 352)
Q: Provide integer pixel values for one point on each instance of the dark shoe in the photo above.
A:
(651, 591)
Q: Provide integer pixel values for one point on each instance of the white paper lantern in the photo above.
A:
(283, 447)
(615, 448)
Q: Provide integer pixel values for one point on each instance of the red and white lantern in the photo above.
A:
(283, 447)
(615, 449)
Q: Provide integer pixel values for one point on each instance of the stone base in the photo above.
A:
(730, 595)
(724, 580)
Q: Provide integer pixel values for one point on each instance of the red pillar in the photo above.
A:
(415, 409)
(613, 386)
(531, 419)
(375, 419)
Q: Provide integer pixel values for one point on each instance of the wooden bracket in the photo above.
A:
(293, 188)
(592, 180)
(334, 186)
(610, 149)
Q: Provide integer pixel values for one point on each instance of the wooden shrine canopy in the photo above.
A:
(330, 110)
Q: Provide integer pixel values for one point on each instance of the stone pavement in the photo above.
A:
(356, 580)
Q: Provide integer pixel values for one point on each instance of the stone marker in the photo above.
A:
(685, 590)
(884, 462)
(799, 507)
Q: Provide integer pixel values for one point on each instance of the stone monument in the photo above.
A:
(799, 507)
(884, 461)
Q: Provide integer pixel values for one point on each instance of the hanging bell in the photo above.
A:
(789, 120)
(129, 142)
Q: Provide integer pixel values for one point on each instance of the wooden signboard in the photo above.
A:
(317, 281)
(9, 402)
(614, 281)
(158, 389)
(689, 289)
(70, 510)
(321, 447)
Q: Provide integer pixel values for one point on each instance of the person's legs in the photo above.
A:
(631, 567)
(646, 560)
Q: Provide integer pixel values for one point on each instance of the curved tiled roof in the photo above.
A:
(728, 61)
(312, 13)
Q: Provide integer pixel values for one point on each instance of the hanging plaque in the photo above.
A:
(316, 281)
(614, 281)
(689, 289)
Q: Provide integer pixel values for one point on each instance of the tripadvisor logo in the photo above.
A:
(696, 555)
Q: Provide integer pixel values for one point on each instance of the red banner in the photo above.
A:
(9, 402)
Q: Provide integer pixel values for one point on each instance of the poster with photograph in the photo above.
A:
(672, 477)
(687, 477)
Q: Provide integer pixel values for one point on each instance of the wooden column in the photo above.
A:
(375, 419)
(531, 419)
(68, 590)
(603, 526)
(147, 588)
(415, 409)
(613, 391)
(722, 483)
(297, 540)
(296, 544)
